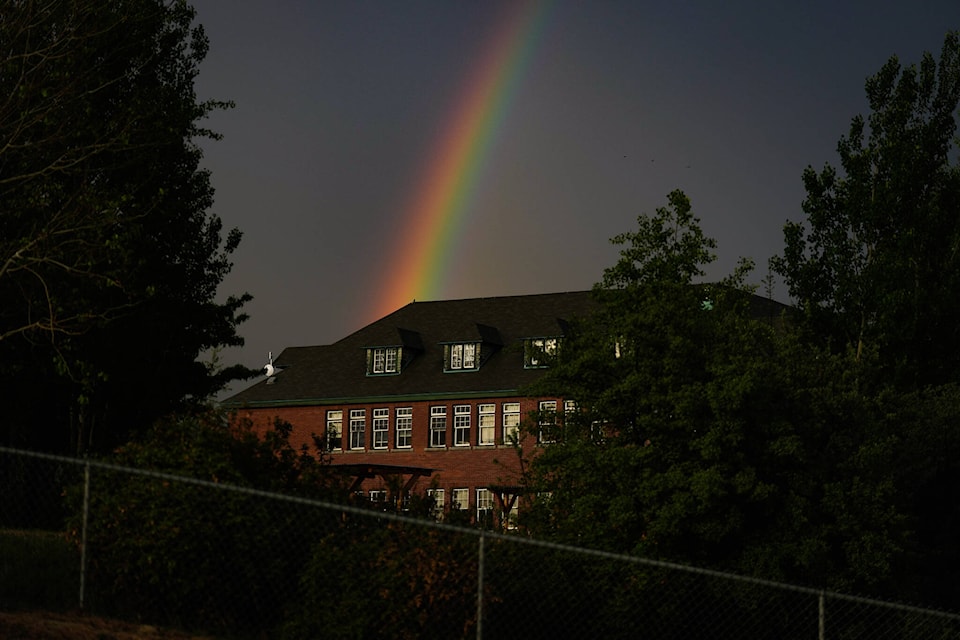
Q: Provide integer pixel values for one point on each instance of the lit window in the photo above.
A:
(462, 357)
(484, 504)
(510, 518)
(548, 422)
(456, 356)
(597, 432)
(358, 425)
(461, 425)
(404, 427)
(334, 430)
(460, 499)
(381, 428)
(569, 409)
(511, 422)
(383, 360)
(378, 496)
(540, 351)
(487, 423)
(438, 426)
(437, 496)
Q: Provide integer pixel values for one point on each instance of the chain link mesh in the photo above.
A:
(238, 562)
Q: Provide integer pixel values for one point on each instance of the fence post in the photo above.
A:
(83, 531)
(822, 615)
(480, 589)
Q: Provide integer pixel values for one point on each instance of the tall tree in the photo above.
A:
(876, 265)
(639, 372)
(109, 259)
(705, 432)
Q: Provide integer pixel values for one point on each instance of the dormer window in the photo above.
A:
(383, 360)
(540, 352)
(462, 356)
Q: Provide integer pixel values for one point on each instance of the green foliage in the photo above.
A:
(109, 261)
(193, 556)
(875, 264)
(370, 579)
(38, 569)
(874, 269)
(715, 435)
(819, 448)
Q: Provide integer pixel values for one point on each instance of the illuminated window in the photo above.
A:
(358, 425)
(383, 360)
(334, 430)
(438, 426)
(548, 422)
(404, 427)
(510, 518)
(484, 505)
(378, 496)
(437, 496)
(511, 422)
(381, 427)
(462, 356)
(539, 352)
(487, 423)
(460, 499)
(461, 425)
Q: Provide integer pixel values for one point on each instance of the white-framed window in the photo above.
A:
(438, 426)
(486, 423)
(378, 496)
(540, 351)
(358, 427)
(598, 432)
(437, 495)
(462, 356)
(381, 427)
(460, 499)
(334, 434)
(404, 416)
(511, 422)
(511, 517)
(461, 425)
(383, 360)
(569, 410)
(548, 422)
(484, 504)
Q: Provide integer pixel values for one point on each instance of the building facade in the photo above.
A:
(427, 400)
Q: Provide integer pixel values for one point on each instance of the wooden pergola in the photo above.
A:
(506, 497)
(393, 475)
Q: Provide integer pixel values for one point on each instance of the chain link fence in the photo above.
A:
(237, 562)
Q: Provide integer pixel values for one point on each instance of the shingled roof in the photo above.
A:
(337, 373)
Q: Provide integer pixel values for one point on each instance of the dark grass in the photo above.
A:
(38, 570)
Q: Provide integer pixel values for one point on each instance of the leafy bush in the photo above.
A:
(38, 569)
(193, 556)
(368, 579)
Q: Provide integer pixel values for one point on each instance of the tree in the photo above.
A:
(874, 269)
(638, 373)
(109, 261)
(705, 431)
(177, 553)
(875, 265)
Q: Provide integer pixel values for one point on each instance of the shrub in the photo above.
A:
(191, 555)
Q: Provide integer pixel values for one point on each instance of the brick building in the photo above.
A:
(426, 399)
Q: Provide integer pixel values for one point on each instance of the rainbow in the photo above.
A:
(434, 218)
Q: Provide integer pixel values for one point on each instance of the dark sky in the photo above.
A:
(339, 104)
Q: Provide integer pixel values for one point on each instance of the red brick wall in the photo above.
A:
(456, 467)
